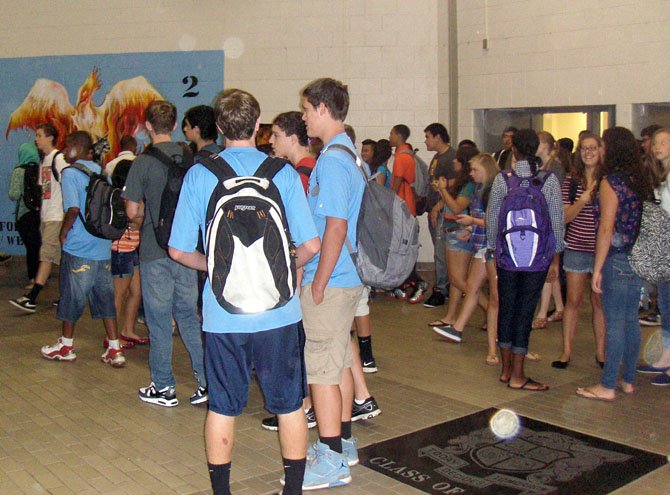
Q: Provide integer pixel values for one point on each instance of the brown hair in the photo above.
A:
(656, 171)
(236, 113)
(162, 115)
(333, 94)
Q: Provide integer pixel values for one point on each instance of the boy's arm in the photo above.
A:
(331, 247)
(70, 217)
(195, 260)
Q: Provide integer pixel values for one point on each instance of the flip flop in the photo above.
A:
(502, 380)
(539, 324)
(587, 393)
(140, 341)
(492, 360)
(529, 381)
(439, 323)
(533, 356)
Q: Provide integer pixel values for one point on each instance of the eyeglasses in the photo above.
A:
(589, 149)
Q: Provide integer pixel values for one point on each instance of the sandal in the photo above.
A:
(531, 386)
(492, 360)
(438, 323)
(539, 323)
(533, 356)
(557, 316)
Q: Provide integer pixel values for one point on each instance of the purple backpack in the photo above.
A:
(526, 240)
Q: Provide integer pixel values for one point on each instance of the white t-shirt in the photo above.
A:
(663, 193)
(52, 199)
(111, 165)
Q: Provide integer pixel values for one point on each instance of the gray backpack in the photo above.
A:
(388, 234)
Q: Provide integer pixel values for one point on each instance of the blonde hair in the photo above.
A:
(489, 165)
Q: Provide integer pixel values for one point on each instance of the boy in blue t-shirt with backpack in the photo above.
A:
(85, 263)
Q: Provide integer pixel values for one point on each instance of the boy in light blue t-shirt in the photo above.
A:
(85, 263)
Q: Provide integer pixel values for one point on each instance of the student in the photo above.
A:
(167, 287)
(289, 140)
(519, 290)
(237, 342)
(85, 272)
(199, 128)
(27, 220)
(51, 213)
(331, 286)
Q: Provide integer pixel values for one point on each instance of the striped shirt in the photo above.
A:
(128, 242)
(580, 233)
(478, 238)
(552, 193)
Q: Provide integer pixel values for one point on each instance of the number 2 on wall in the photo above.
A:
(194, 82)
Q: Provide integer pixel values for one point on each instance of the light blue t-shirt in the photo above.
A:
(189, 219)
(335, 190)
(78, 241)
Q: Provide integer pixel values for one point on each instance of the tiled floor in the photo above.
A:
(80, 428)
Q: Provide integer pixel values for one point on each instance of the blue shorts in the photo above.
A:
(82, 279)
(453, 243)
(578, 261)
(277, 356)
(124, 264)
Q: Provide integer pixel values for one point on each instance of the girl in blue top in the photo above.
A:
(379, 160)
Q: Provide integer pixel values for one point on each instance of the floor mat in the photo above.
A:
(523, 456)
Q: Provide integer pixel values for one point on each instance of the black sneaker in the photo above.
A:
(272, 423)
(199, 396)
(165, 397)
(4, 258)
(24, 304)
(369, 366)
(449, 332)
(651, 320)
(368, 410)
(436, 299)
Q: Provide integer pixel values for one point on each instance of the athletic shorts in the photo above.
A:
(277, 357)
(327, 332)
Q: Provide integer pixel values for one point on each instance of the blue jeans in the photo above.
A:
(621, 294)
(170, 289)
(439, 258)
(519, 293)
(664, 308)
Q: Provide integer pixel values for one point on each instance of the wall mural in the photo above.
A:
(102, 94)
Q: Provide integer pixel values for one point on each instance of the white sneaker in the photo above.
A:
(114, 357)
(58, 352)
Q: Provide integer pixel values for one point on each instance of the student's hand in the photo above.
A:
(596, 280)
(552, 274)
(464, 235)
(433, 216)
(462, 219)
(317, 294)
(62, 236)
(441, 183)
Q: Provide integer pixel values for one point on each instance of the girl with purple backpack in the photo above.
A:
(524, 223)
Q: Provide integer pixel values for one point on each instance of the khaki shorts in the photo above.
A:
(51, 248)
(327, 332)
(363, 309)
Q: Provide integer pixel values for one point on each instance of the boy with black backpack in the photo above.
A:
(24, 188)
(85, 274)
(168, 288)
(252, 211)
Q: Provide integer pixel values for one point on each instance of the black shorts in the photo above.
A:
(277, 356)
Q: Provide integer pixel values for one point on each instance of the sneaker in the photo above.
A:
(349, 450)
(58, 352)
(661, 380)
(398, 294)
(55, 303)
(199, 396)
(436, 299)
(4, 258)
(651, 320)
(141, 320)
(24, 304)
(114, 357)
(449, 332)
(649, 369)
(419, 293)
(326, 469)
(369, 366)
(164, 397)
(271, 423)
(368, 410)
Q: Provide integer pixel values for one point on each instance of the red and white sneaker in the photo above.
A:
(114, 357)
(58, 352)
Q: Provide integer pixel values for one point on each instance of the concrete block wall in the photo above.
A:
(560, 53)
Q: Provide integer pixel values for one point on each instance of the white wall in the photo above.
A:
(555, 53)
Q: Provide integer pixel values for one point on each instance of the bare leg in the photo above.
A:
(361, 391)
(476, 278)
(558, 296)
(293, 434)
(544, 301)
(133, 301)
(492, 310)
(576, 284)
(327, 403)
(219, 437)
(457, 266)
(43, 272)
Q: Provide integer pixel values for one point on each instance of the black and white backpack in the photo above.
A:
(250, 254)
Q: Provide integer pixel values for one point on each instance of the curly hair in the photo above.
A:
(622, 156)
(577, 168)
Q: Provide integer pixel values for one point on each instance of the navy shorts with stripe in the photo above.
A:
(278, 357)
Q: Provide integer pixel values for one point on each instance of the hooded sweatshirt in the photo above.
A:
(28, 155)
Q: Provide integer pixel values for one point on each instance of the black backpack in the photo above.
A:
(120, 173)
(32, 190)
(177, 166)
(250, 253)
(105, 212)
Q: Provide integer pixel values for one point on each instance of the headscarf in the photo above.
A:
(28, 154)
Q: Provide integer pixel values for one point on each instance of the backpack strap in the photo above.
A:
(218, 166)
(306, 171)
(354, 156)
(270, 167)
(80, 167)
(54, 170)
(572, 194)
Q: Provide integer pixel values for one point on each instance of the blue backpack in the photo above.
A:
(526, 240)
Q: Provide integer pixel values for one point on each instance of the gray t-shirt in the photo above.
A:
(146, 181)
(440, 165)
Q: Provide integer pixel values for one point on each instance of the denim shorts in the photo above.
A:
(82, 279)
(124, 264)
(277, 356)
(578, 261)
(453, 243)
